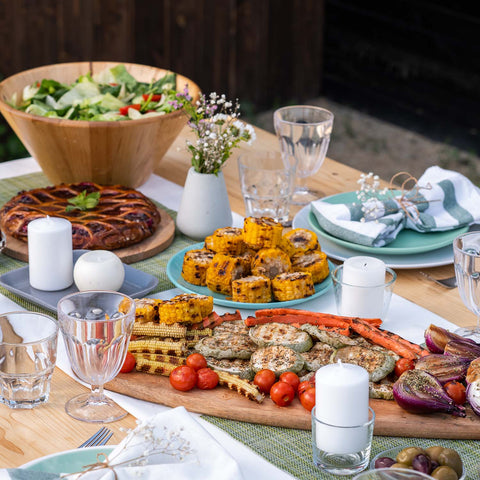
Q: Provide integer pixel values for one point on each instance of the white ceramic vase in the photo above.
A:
(204, 206)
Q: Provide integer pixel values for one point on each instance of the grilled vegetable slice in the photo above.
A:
(226, 346)
(333, 339)
(382, 390)
(153, 329)
(281, 334)
(228, 240)
(243, 387)
(277, 358)
(231, 326)
(252, 289)
(146, 310)
(185, 308)
(261, 233)
(239, 367)
(378, 364)
(314, 262)
(153, 367)
(318, 356)
(299, 240)
(195, 264)
(269, 262)
(164, 346)
(223, 270)
(292, 285)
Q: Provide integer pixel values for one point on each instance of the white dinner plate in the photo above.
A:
(435, 258)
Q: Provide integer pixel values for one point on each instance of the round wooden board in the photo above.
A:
(147, 248)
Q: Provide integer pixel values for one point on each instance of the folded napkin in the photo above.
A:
(443, 200)
(191, 453)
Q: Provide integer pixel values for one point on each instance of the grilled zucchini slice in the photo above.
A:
(281, 334)
(318, 356)
(334, 339)
(277, 358)
(226, 346)
(239, 367)
(382, 390)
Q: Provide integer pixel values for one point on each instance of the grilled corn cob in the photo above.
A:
(261, 232)
(292, 285)
(243, 387)
(152, 329)
(164, 346)
(299, 240)
(195, 264)
(227, 240)
(223, 270)
(153, 367)
(252, 289)
(170, 359)
(146, 309)
(314, 262)
(185, 308)
(270, 262)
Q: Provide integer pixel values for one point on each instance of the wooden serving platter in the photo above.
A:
(147, 248)
(390, 419)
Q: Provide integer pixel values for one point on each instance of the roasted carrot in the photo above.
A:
(380, 337)
(294, 318)
(416, 348)
(268, 312)
(213, 319)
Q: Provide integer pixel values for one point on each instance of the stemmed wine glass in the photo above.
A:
(304, 132)
(96, 328)
(466, 251)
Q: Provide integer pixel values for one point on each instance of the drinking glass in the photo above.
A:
(304, 132)
(96, 328)
(466, 252)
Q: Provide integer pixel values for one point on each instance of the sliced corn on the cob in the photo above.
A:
(185, 308)
(315, 262)
(240, 385)
(223, 270)
(227, 240)
(152, 329)
(146, 310)
(261, 233)
(165, 346)
(292, 285)
(299, 240)
(170, 359)
(153, 367)
(269, 262)
(195, 264)
(252, 289)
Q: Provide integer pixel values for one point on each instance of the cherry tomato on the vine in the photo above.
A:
(305, 385)
(291, 378)
(402, 365)
(129, 363)
(207, 379)
(264, 379)
(307, 398)
(196, 361)
(282, 393)
(183, 378)
(456, 391)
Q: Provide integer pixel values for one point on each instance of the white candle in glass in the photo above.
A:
(341, 400)
(50, 253)
(363, 287)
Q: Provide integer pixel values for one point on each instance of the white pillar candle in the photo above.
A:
(50, 253)
(363, 287)
(341, 400)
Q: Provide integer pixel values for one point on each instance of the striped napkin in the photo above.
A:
(443, 200)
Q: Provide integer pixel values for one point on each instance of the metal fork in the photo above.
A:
(449, 282)
(99, 438)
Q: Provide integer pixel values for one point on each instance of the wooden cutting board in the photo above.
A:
(149, 247)
(390, 419)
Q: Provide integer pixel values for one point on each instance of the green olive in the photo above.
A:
(434, 452)
(408, 454)
(450, 458)
(401, 465)
(444, 473)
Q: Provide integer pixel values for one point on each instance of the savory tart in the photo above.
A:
(122, 217)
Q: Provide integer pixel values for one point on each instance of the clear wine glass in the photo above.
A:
(96, 328)
(466, 251)
(304, 132)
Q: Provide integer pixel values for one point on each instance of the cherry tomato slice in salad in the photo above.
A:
(152, 97)
(264, 379)
(124, 110)
(183, 378)
(129, 363)
(282, 393)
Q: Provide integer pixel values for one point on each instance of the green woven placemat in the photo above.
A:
(288, 449)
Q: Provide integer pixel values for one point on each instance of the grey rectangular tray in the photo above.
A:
(135, 285)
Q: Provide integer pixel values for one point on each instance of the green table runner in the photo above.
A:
(288, 449)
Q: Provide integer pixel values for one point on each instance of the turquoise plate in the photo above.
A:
(70, 461)
(406, 243)
(174, 273)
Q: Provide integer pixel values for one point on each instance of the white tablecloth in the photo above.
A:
(404, 317)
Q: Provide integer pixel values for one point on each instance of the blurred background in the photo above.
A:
(401, 77)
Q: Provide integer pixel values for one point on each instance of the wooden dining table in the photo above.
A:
(29, 434)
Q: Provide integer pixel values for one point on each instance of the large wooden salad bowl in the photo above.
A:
(121, 152)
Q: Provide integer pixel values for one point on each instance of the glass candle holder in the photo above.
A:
(370, 301)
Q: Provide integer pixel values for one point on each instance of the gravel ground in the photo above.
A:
(370, 144)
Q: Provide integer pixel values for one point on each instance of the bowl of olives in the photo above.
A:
(439, 462)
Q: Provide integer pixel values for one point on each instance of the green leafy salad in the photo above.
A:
(110, 95)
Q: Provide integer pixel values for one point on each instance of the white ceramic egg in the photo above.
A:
(98, 270)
